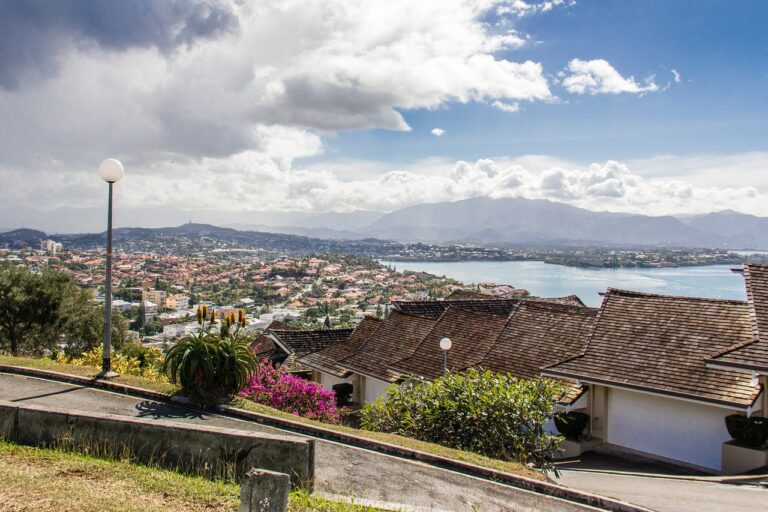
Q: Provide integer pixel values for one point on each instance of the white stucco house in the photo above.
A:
(651, 387)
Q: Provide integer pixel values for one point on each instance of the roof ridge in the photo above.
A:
(634, 293)
(413, 315)
(541, 304)
(735, 346)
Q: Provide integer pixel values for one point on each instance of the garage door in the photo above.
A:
(674, 429)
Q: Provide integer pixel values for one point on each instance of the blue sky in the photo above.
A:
(719, 48)
(332, 105)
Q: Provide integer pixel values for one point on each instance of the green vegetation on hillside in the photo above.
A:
(47, 310)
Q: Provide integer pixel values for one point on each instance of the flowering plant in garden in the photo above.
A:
(280, 390)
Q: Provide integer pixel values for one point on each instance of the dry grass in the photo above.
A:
(38, 479)
(413, 444)
(41, 479)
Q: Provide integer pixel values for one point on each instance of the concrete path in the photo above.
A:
(340, 470)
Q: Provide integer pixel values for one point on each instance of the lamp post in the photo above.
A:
(445, 345)
(111, 171)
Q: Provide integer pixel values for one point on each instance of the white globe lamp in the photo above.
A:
(111, 170)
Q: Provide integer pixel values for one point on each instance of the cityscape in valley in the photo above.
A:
(337, 256)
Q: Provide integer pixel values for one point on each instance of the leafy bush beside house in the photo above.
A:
(495, 415)
(277, 389)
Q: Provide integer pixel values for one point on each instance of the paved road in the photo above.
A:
(340, 470)
(635, 478)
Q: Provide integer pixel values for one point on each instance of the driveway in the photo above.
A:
(340, 470)
(658, 485)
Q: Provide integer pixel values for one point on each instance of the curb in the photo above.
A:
(520, 482)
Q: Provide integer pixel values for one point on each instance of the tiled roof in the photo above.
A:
(327, 360)
(435, 308)
(466, 295)
(752, 355)
(660, 344)
(395, 338)
(472, 334)
(572, 300)
(263, 346)
(539, 334)
(300, 342)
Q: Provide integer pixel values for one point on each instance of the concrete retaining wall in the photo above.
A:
(195, 449)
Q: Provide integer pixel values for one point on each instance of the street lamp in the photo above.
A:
(445, 345)
(111, 171)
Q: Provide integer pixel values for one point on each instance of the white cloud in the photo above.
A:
(357, 65)
(506, 107)
(599, 77)
(676, 75)
(437, 132)
(254, 181)
(522, 8)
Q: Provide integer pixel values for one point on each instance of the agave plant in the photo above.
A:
(211, 366)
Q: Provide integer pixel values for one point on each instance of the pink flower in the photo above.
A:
(275, 388)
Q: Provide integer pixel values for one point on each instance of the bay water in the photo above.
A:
(546, 280)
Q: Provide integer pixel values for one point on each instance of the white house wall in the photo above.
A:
(328, 381)
(670, 428)
(374, 389)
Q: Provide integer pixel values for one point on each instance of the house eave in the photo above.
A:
(650, 391)
(740, 367)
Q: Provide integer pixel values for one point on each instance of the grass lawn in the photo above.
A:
(413, 444)
(44, 479)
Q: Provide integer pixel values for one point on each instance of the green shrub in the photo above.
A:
(488, 413)
(211, 366)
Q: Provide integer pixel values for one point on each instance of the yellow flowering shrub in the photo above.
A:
(150, 368)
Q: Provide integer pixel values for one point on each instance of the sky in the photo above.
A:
(640, 106)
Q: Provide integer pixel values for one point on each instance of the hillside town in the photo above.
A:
(159, 293)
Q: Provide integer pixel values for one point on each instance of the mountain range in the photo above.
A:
(498, 222)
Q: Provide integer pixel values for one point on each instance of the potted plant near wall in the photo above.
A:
(571, 424)
(750, 432)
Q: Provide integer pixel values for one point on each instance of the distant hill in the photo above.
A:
(526, 221)
(184, 237)
(494, 222)
(736, 229)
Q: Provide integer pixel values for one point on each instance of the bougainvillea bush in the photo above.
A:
(280, 390)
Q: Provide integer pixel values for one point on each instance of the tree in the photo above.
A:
(83, 329)
(32, 305)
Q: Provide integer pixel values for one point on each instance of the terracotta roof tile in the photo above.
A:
(661, 343)
(395, 338)
(327, 360)
(471, 333)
